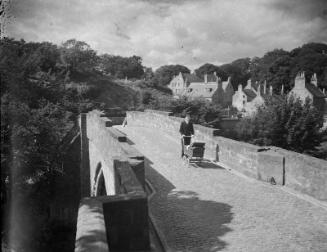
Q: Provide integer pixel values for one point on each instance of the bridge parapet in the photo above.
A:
(115, 217)
(297, 171)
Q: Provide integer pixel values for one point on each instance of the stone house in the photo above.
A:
(181, 82)
(309, 90)
(211, 88)
(248, 100)
(224, 93)
(204, 88)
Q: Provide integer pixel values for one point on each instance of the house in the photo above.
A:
(211, 88)
(181, 82)
(224, 93)
(309, 90)
(201, 90)
(243, 96)
(248, 100)
(204, 88)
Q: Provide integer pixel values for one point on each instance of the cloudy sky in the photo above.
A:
(188, 32)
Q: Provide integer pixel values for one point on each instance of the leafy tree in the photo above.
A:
(286, 123)
(35, 117)
(148, 73)
(279, 73)
(121, 67)
(78, 55)
(164, 74)
(210, 69)
(280, 67)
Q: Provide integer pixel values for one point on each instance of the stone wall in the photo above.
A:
(117, 220)
(105, 143)
(305, 174)
(297, 171)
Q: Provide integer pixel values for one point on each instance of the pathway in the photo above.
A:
(210, 209)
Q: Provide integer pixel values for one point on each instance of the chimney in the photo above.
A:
(299, 80)
(314, 80)
(240, 87)
(215, 73)
(259, 90)
(282, 90)
(270, 90)
(205, 78)
(219, 80)
(248, 85)
(229, 80)
(265, 87)
(324, 91)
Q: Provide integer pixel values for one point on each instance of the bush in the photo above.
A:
(202, 112)
(288, 123)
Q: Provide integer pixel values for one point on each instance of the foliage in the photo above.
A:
(37, 111)
(238, 70)
(164, 74)
(202, 112)
(78, 55)
(210, 69)
(121, 67)
(287, 123)
(280, 67)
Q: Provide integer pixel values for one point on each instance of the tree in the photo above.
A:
(279, 73)
(202, 112)
(286, 123)
(79, 56)
(122, 67)
(148, 73)
(164, 74)
(238, 70)
(210, 69)
(34, 119)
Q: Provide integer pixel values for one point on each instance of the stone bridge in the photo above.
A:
(138, 195)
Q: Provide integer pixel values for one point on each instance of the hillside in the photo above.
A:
(107, 92)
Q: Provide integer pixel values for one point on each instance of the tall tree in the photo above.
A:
(122, 67)
(286, 123)
(164, 74)
(210, 69)
(79, 56)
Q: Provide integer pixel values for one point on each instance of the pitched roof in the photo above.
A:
(274, 96)
(202, 90)
(225, 84)
(191, 78)
(250, 94)
(315, 91)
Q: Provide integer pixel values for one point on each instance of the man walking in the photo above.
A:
(187, 131)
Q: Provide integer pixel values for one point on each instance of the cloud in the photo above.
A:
(189, 32)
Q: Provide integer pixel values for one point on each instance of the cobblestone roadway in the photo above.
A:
(210, 209)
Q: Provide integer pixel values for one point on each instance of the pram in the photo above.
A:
(192, 151)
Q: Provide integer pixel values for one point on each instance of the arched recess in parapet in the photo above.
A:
(99, 186)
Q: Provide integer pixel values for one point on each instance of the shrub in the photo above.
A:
(288, 123)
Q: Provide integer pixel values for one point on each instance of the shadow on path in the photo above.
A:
(188, 223)
(206, 164)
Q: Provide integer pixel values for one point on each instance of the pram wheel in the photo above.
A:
(186, 160)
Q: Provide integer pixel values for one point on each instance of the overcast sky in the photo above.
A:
(188, 32)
